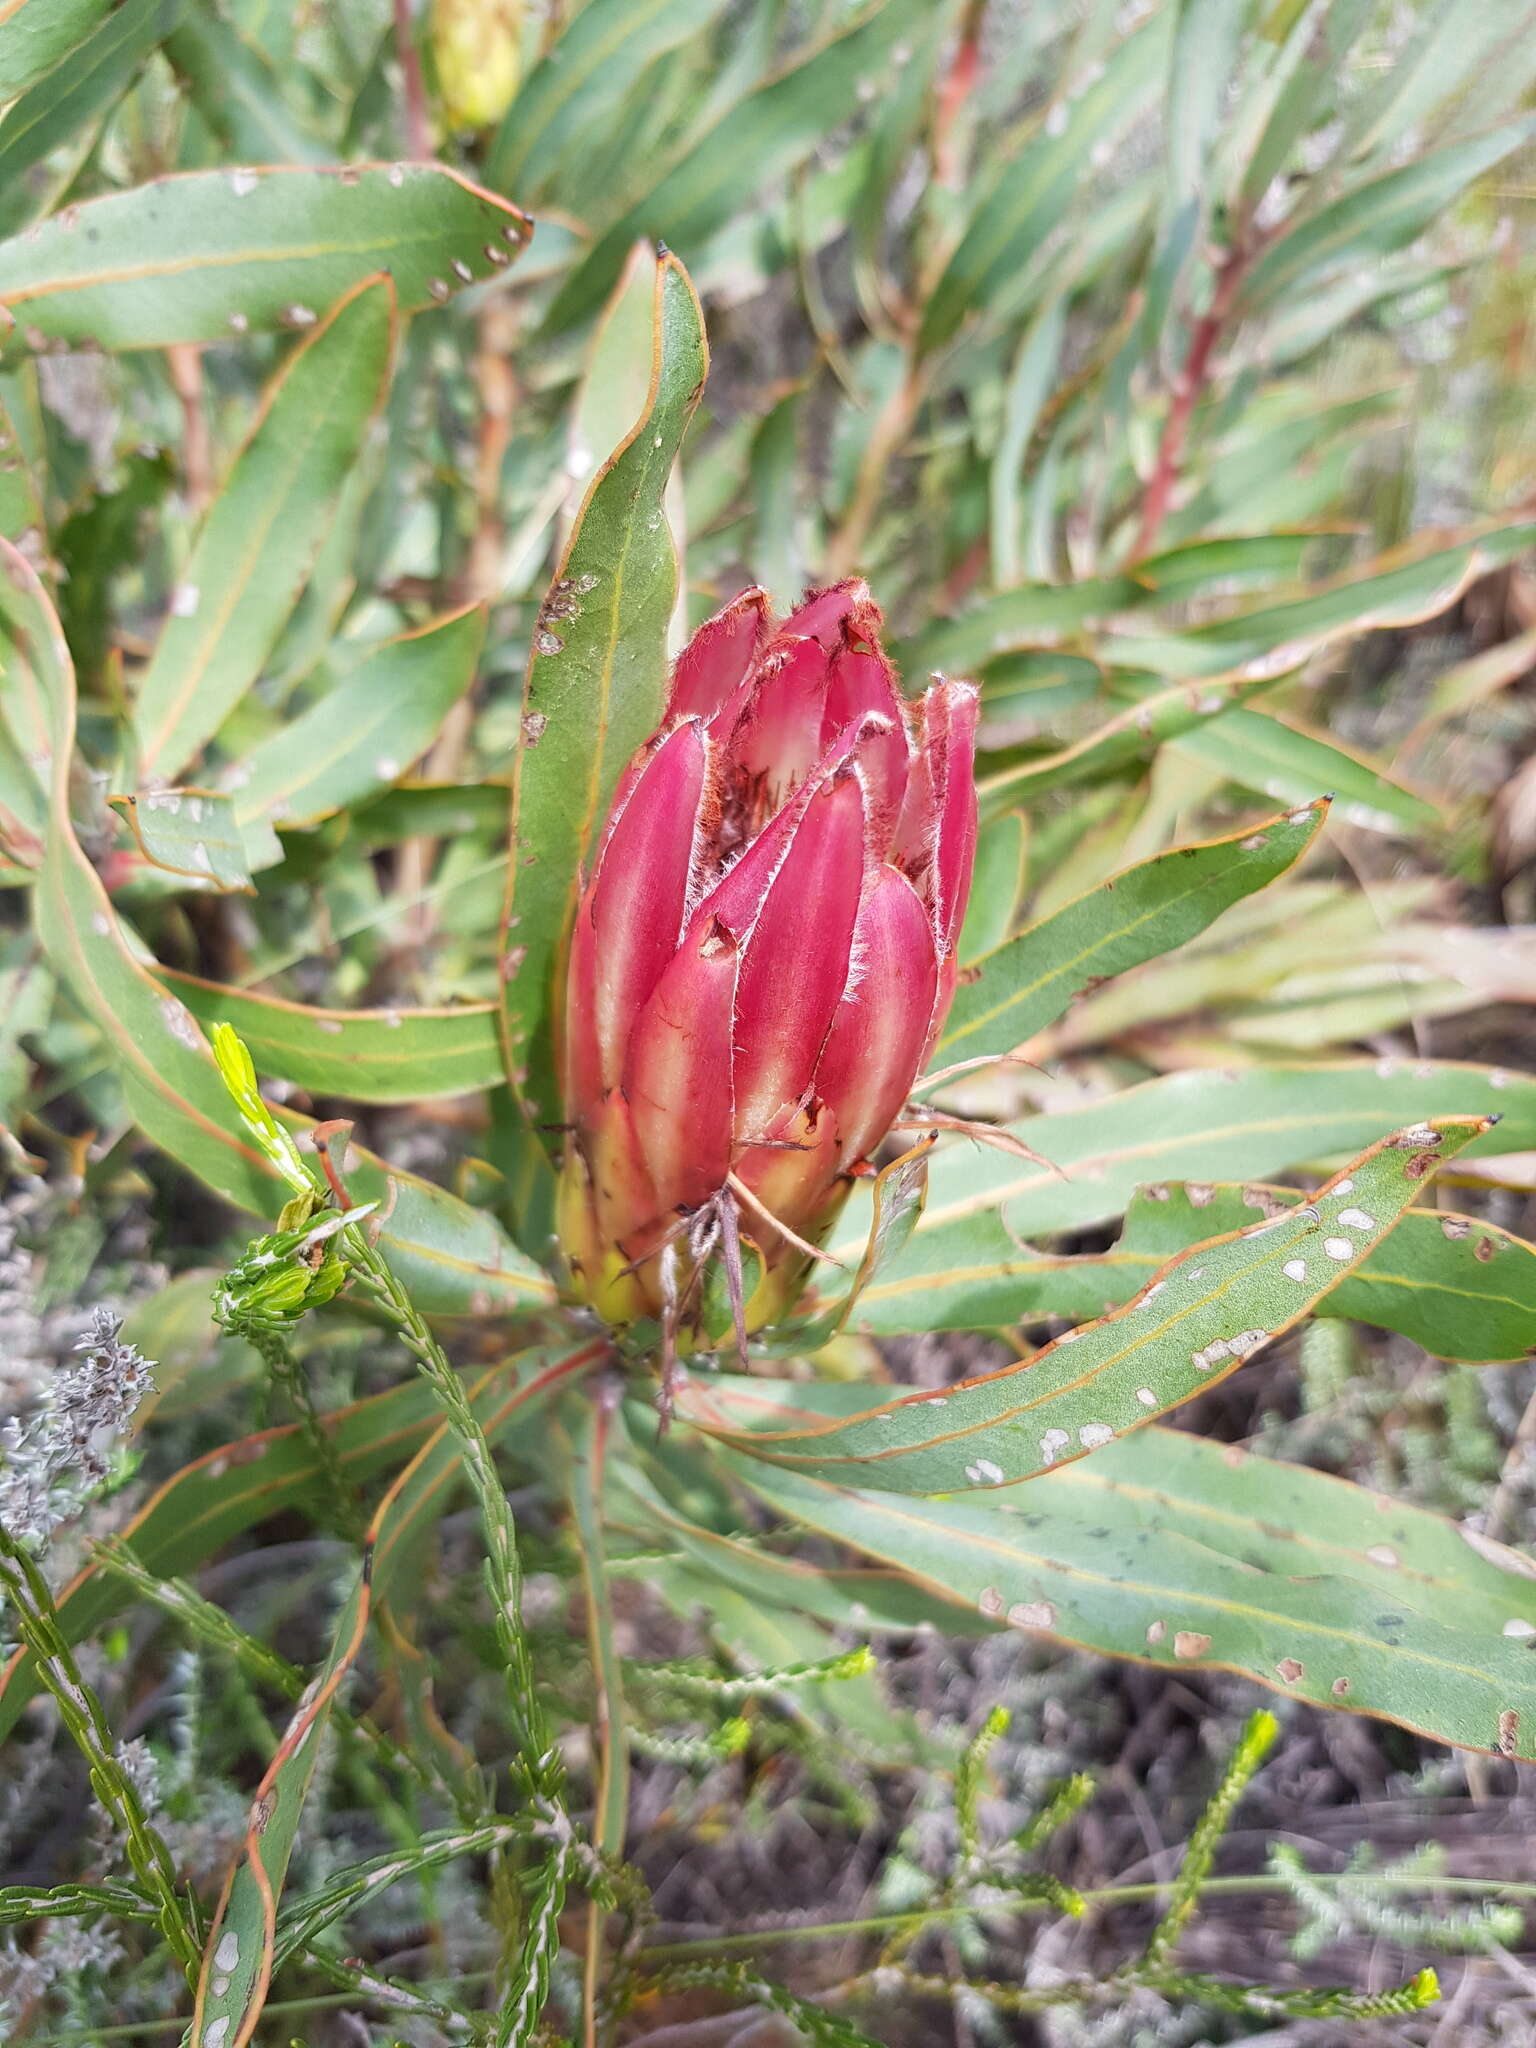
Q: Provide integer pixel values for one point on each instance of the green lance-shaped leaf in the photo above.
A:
(1031, 614)
(1131, 736)
(1175, 1551)
(596, 683)
(237, 1962)
(1027, 982)
(210, 254)
(1463, 1289)
(1206, 1312)
(359, 1055)
(35, 35)
(264, 530)
(359, 738)
(1377, 216)
(21, 501)
(1279, 757)
(188, 832)
(1408, 584)
(1030, 191)
(65, 109)
(581, 82)
(208, 1503)
(997, 886)
(759, 138)
(239, 91)
(455, 1259)
(1203, 1124)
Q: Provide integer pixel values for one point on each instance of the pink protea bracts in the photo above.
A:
(763, 956)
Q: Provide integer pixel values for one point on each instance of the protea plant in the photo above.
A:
(762, 959)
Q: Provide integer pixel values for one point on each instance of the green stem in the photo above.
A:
(37, 1619)
(341, 1495)
(1106, 1897)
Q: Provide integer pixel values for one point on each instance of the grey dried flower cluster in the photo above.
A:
(54, 1461)
(22, 1345)
(65, 1950)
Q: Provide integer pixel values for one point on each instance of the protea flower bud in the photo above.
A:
(763, 956)
(477, 48)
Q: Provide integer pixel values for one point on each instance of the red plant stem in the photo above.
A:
(418, 128)
(1189, 387)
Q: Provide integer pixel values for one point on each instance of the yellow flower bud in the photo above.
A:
(477, 50)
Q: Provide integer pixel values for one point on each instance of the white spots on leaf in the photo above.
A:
(387, 768)
(937, 1401)
(1338, 1248)
(1301, 815)
(1519, 1629)
(497, 255)
(1156, 1192)
(1497, 1078)
(184, 601)
(990, 1602)
(1146, 1397)
(1240, 1346)
(1356, 1219)
(438, 288)
(1343, 1187)
(1295, 1269)
(984, 1473)
(227, 1954)
(1455, 1227)
(546, 642)
(1255, 844)
(1195, 1273)
(1032, 1614)
(330, 1025)
(1384, 1554)
(1201, 1193)
(243, 182)
(1339, 1687)
(214, 2032)
(1156, 1631)
(178, 1021)
(1188, 1642)
(1152, 1293)
(462, 271)
(1053, 1443)
(397, 175)
(1290, 1669)
(101, 924)
(1094, 1435)
(298, 316)
(534, 723)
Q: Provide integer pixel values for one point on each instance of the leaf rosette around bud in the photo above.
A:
(762, 958)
